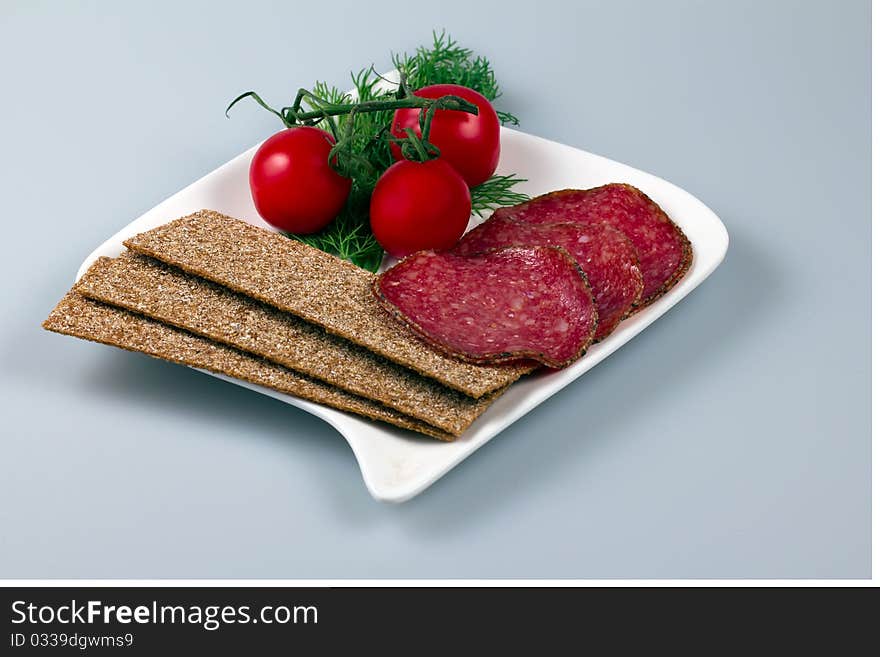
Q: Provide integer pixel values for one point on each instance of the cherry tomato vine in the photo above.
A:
(415, 146)
(358, 130)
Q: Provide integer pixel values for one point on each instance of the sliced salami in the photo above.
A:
(504, 305)
(605, 254)
(664, 251)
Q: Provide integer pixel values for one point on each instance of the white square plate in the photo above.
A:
(397, 465)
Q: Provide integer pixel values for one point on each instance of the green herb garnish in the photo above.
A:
(495, 192)
(446, 62)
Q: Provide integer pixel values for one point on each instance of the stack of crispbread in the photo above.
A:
(213, 292)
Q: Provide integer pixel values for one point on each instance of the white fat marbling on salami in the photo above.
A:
(508, 304)
(605, 254)
(664, 251)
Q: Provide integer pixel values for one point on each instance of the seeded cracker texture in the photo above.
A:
(145, 286)
(311, 284)
(83, 318)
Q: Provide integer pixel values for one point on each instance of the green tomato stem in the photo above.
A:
(295, 115)
(414, 146)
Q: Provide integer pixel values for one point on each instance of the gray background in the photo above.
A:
(732, 439)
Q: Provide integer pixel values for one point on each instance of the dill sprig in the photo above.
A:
(349, 237)
(495, 192)
(447, 62)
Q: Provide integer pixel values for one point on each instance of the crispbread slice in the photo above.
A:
(311, 284)
(145, 286)
(83, 318)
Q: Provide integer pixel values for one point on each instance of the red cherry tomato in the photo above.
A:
(419, 205)
(294, 187)
(470, 143)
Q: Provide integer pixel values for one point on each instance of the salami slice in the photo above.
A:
(504, 305)
(664, 251)
(605, 254)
